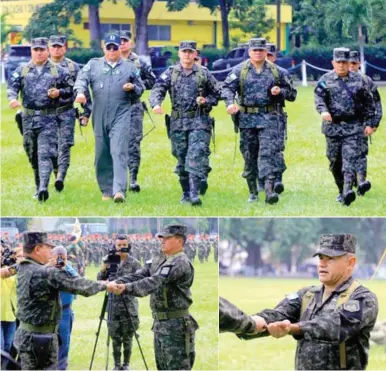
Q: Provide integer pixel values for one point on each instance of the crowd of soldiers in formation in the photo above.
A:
(93, 248)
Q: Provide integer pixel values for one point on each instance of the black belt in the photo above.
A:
(48, 111)
(348, 119)
(258, 109)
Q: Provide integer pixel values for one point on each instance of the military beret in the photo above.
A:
(341, 54)
(259, 43)
(354, 56)
(58, 40)
(336, 245)
(173, 230)
(188, 45)
(39, 42)
(35, 237)
(125, 35)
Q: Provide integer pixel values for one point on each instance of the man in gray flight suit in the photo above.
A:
(114, 84)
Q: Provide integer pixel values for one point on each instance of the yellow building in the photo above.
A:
(165, 28)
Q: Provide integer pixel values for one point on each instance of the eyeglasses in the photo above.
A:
(112, 47)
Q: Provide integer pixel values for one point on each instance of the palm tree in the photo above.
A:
(352, 16)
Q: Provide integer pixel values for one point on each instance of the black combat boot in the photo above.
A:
(271, 197)
(194, 184)
(134, 186)
(252, 189)
(203, 186)
(43, 195)
(278, 185)
(364, 185)
(339, 198)
(348, 193)
(184, 181)
(59, 182)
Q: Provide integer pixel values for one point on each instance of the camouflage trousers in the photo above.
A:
(135, 135)
(174, 343)
(121, 333)
(32, 358)
(343, 154)
(362, 158)
(191, 149)
(66, 124)
(40, 144)
(201, 255)
(260, 151)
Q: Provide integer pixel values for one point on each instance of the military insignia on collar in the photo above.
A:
(292, 296)
(165, 270)
(352, 306)
(164, 76)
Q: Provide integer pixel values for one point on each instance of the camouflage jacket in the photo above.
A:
(324, 326)
(232, 319)
(184, 93)
(257, 92)
(147, 76)
(34, 86)
(129, 266)
(377, 99)
(349, 102)
(77, 251)
(69, 100)
(38, 290)
(168, 281)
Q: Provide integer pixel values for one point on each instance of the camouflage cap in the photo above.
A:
(112, 39)
(34, 237)
(271, 48)
(39, 42)
(336, 244)
(125, 35)
(188, 45)
(354, 56)
(341, 54)
(121, 236)
(58, 40)
(173, 230)
(259, 43)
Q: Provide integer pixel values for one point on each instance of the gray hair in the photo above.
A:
(59, 250)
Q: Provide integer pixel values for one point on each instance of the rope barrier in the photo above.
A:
(377, 68)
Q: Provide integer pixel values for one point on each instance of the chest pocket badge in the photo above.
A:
(165, 270)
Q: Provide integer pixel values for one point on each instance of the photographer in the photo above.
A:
(8, 297)
(59, 260)
(121, 327)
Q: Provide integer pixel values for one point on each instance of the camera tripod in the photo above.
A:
(107, 303)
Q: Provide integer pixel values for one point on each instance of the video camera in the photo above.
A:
(113, 260)
(60, 263)
(8, 257)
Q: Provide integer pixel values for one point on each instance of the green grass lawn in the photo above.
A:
(255, 294)
(310, 189)
(204, 310)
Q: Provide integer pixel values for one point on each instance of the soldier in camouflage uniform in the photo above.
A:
(193, 91)
(260, 86)
(168, 281)
(114, 84)
(201, 247)
(39, 309)
(122, 327)
(342, 97)
(363, 184)
(137, 110)
(331, 322)
(42, 86)
(215, 249)
(66, 119)
(76, 255)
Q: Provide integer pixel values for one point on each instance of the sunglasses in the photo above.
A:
(112, 47)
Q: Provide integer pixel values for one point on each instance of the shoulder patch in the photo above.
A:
(292, 296)
(232, 77)
(352, 306)
(165, 270)
(164, 76)
(15, 75)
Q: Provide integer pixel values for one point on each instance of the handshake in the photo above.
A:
(116, 288)
(275, 329)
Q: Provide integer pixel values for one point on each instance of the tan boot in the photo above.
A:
(119, 197)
